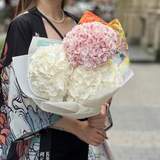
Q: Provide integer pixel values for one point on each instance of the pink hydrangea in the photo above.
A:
(90, 44)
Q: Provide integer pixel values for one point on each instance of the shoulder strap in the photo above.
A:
(37, 23)
(50, 23)
(76, 19)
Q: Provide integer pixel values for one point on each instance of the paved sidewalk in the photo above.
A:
(135, 135)
(136, 116)
(138, 54)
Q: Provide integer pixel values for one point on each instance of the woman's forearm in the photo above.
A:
(69, 125)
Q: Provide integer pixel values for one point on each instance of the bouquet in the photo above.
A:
(74, 77)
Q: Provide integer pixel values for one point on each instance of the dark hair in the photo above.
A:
(23, 5)
(63, 3)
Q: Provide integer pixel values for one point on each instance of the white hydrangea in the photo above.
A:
(49, 72)
(91, 84)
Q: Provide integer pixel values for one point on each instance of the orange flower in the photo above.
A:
(91, 17)
(114, 24)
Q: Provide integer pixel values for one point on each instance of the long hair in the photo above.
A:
(24, 5)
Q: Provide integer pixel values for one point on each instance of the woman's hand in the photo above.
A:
(91, 131)
(82, 130)
(99, 120)
(90, 135)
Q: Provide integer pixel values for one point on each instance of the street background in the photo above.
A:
(136, 107)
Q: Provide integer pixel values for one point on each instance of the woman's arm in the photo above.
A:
(82, 130)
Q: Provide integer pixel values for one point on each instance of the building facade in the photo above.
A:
(141, 20)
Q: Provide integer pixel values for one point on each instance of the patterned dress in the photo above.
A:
(21, 121)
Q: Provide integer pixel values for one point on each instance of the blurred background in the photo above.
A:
(136, 108)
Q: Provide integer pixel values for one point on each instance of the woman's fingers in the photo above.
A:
(102, 133)
(99, 124)
(99, 139)
(91, 135)
(98, 121)
(103, 112)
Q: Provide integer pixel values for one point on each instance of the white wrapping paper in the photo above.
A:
(71, 109)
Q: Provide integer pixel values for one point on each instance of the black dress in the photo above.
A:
(54, 144)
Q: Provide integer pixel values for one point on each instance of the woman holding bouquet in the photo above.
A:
(26, 131)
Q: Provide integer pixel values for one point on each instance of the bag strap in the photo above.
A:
(46, 142)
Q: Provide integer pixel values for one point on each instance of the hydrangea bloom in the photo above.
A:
(91, 84)
(90, 44)
(49, 72)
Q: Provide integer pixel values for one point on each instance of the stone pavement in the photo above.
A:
(136, 133)
(136, 116)
(138, 54)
